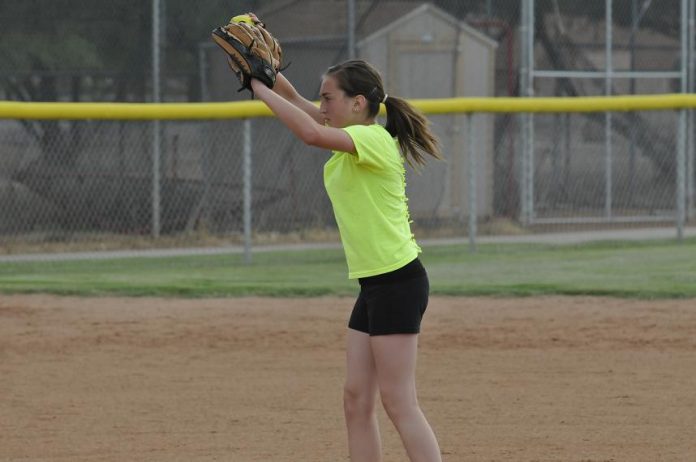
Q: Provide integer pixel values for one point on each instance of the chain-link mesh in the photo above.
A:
(72, 180)
(570, 167)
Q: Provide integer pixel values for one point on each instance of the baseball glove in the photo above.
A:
(247, 53)
(271, 41)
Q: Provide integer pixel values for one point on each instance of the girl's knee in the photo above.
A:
(398, 403)
(358, 402)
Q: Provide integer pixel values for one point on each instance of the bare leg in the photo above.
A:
(395, 361)
(359, 400)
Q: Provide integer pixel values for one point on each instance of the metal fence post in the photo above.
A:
(246, 165)
(156, 125)
(530, 117)
(681, 175)
(522, 150)
(473, 211)
(208, 135)
(608, 69)
(350, 7)
(681, 135)
(691, 149)
(527, 127)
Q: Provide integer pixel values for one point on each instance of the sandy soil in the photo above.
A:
(256, 379)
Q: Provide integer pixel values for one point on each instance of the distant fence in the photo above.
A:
(105, 171)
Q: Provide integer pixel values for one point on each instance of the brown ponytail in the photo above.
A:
(404, 122)
(412, 130)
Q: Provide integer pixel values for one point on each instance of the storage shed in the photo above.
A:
(428, 53)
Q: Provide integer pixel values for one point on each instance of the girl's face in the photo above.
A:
(338, 109)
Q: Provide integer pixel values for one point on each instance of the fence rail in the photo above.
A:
(263, 189)
(251, 109)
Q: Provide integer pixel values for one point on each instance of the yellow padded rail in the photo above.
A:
(132, 111)
(567, 104)
(247, 109)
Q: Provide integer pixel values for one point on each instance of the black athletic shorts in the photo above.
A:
(392, 303)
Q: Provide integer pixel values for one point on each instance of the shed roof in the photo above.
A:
(306, 19)
(433, 11)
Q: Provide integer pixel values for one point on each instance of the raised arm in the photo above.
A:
(301, 122)
(284, 88)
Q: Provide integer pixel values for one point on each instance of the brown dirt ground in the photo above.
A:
(260, 379)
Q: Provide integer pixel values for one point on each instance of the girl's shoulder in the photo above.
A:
(374, 128)
(374, 132)
(374, 145)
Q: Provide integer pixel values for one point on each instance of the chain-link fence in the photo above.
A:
(71, 181)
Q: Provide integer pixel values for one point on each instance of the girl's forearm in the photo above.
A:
(284, 88)
(302, 124)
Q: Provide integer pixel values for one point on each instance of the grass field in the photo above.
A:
(650, 269)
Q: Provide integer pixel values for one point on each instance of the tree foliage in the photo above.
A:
(99, 39)
(110, 41)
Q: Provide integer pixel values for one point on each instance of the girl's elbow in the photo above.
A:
(310, 137)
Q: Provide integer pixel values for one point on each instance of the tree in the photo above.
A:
(96, 51)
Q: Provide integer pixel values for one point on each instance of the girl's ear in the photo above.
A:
(360, 103)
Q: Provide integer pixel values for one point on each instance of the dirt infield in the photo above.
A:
(257, 379)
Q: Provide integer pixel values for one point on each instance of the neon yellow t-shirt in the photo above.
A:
(368, 194)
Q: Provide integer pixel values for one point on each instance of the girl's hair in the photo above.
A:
(408, 125)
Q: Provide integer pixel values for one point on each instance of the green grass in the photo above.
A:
(622, 269)
(653, 269)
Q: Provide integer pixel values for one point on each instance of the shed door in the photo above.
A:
(422, 73)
